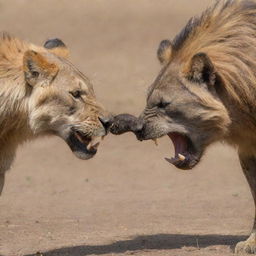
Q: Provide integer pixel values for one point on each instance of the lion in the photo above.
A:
(206, 92)
(42, 93)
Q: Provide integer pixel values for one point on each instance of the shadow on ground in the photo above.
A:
(150, 242)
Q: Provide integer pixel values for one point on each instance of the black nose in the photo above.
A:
(106, 121)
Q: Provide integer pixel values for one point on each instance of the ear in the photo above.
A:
(57, 47)
(201, 69)
(164, 52)
(37, 69)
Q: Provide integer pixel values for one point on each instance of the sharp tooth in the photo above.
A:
(96, 140)
(96, 145)
(89, 146)
(156, 142)
(79, 137)
(181, 157)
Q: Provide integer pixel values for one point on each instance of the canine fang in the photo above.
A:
(181, 157)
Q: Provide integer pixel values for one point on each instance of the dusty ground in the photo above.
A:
(127, 200)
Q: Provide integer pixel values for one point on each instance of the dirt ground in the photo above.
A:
(127, 200)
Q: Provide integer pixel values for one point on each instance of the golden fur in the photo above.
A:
(226, 33)
(42, 93)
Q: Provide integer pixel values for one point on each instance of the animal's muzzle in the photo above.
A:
(140, 133)
(127, 123)
(106, 121)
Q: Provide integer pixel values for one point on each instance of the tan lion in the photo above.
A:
(42, 93)
(206, 91)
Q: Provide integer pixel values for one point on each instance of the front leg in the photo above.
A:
(7, 154)
(248, 164)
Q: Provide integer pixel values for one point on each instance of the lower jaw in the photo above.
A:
(188, 160)
(83, 156)
(79, 149)
(190, 164)
(184, 164)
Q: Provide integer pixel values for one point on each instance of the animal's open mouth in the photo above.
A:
(186, 156)
(82, 145)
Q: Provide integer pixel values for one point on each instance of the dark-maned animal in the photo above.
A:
(206, 91)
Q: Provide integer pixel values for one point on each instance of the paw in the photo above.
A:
(248, 246)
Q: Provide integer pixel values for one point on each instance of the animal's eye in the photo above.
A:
(35, 74)
(162, 104)
(76, 94)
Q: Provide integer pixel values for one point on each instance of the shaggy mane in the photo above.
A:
(11, 54)
(226, 32)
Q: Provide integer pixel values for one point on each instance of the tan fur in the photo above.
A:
(40, 61)
(226, 33)
(230, 57)
(36, 98)
(165, 52)
(60, 51)
(206, 90)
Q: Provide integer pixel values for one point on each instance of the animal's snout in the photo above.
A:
(106, 121)
(138, 128)
(140, 131)
(123, 123)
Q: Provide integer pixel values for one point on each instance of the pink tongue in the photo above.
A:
(179, 142)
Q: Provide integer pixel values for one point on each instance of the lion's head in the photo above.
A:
(183, 103)
(62, 101)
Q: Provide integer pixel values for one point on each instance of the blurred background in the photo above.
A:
(128, 199)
